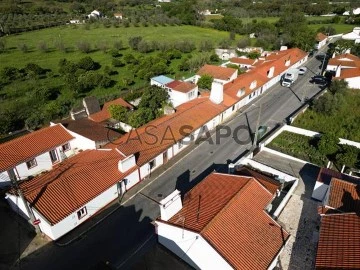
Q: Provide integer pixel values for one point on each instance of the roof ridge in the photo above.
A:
(237, 194)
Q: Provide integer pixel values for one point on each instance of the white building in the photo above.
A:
(320, 40)
(223, 223)
(181, 92)
(34, 153)
(218, 73)
(323, 181)
(346, 67)
(355, 11)
(354, 35)
(243, 62)
(96, 177)
(94, 14)
(160, 81)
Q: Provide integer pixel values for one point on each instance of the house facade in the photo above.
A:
(134, 156)
(222, 74)
(205, 230)
(181, 92)
(34, 153)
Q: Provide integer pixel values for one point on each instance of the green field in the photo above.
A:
(340, 28)
(70, 37)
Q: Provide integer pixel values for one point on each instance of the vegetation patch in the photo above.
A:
(338, 113)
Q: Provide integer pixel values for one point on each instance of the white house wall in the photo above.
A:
(353, 83)
(319, 191)
(81, 142)
(190, 247)
(132, 179)
(177, 98)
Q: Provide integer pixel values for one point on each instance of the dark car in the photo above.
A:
(318, 79)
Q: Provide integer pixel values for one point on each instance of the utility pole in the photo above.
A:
(28, 210)
(257, 126)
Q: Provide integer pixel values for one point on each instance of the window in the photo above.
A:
(82, 213)
(233, 108)
(53, 156)
(66, 147)
(191, 94)
(152, 163)
(31, 163)
(180, 144)
(241, 92)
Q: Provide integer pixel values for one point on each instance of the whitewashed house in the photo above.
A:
(320, 40)
(96, 177)
(34, 153)
(181, 92)
(223, 223)
(219, 73)
(160, 81)
(70, 194)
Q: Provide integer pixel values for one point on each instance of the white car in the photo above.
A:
(302, 70)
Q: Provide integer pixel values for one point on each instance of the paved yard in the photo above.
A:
(299, 217)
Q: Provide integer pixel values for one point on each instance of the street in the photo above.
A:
(116, 239)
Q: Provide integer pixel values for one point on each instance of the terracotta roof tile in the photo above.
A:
(339, 242)
(325, 175)
(89, 129)
(104, 114)
(320, 37)
(232, 219)
(73, 183)
(167, 130)
(31, 145)
(343, 63)
(344, 196)
(180, 86)
(348, 56)
(244, 61)
(217, 72)
(269, 183)
(348, 73)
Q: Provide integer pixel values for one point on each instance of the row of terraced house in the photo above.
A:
(72, 169)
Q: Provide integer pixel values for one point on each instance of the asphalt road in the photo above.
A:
(124, 236)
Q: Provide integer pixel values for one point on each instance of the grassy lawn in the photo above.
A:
(70, 37)
(298, 146)
(345, 123)
(340, 28)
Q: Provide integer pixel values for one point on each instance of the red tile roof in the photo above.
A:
(343, 63)
(244, 61)
(325, 175)
(344, 196)
(339, 242)
(276, 60)
(269, 183)
(217, 72)
(348, 73)
(345, 56)
(167, 130)
(104, 114)
(31, 145)
(232, 219)
(180, 86)
(73, 183)
(92, 130)
(320, 37)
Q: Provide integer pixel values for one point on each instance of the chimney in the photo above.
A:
(270, 72)
(170, 205)
(338, 71)
(287, 62)
(217, 92)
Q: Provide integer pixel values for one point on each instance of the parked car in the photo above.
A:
(302, 70)
(318, 79)
(321, 56)
(311, 53)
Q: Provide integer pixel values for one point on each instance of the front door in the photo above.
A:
(165, 157)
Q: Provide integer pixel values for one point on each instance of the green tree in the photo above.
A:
(243, 42)
(118, 112)
(348, 156)
(84, 46)
(9, 74)
(140, 117)
(134, 42)
(87, 63)
(154, 99)
(338, 86)
(328, 144)
(328, 104)
(205, 82)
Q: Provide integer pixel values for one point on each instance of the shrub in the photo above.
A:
(84, 46)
